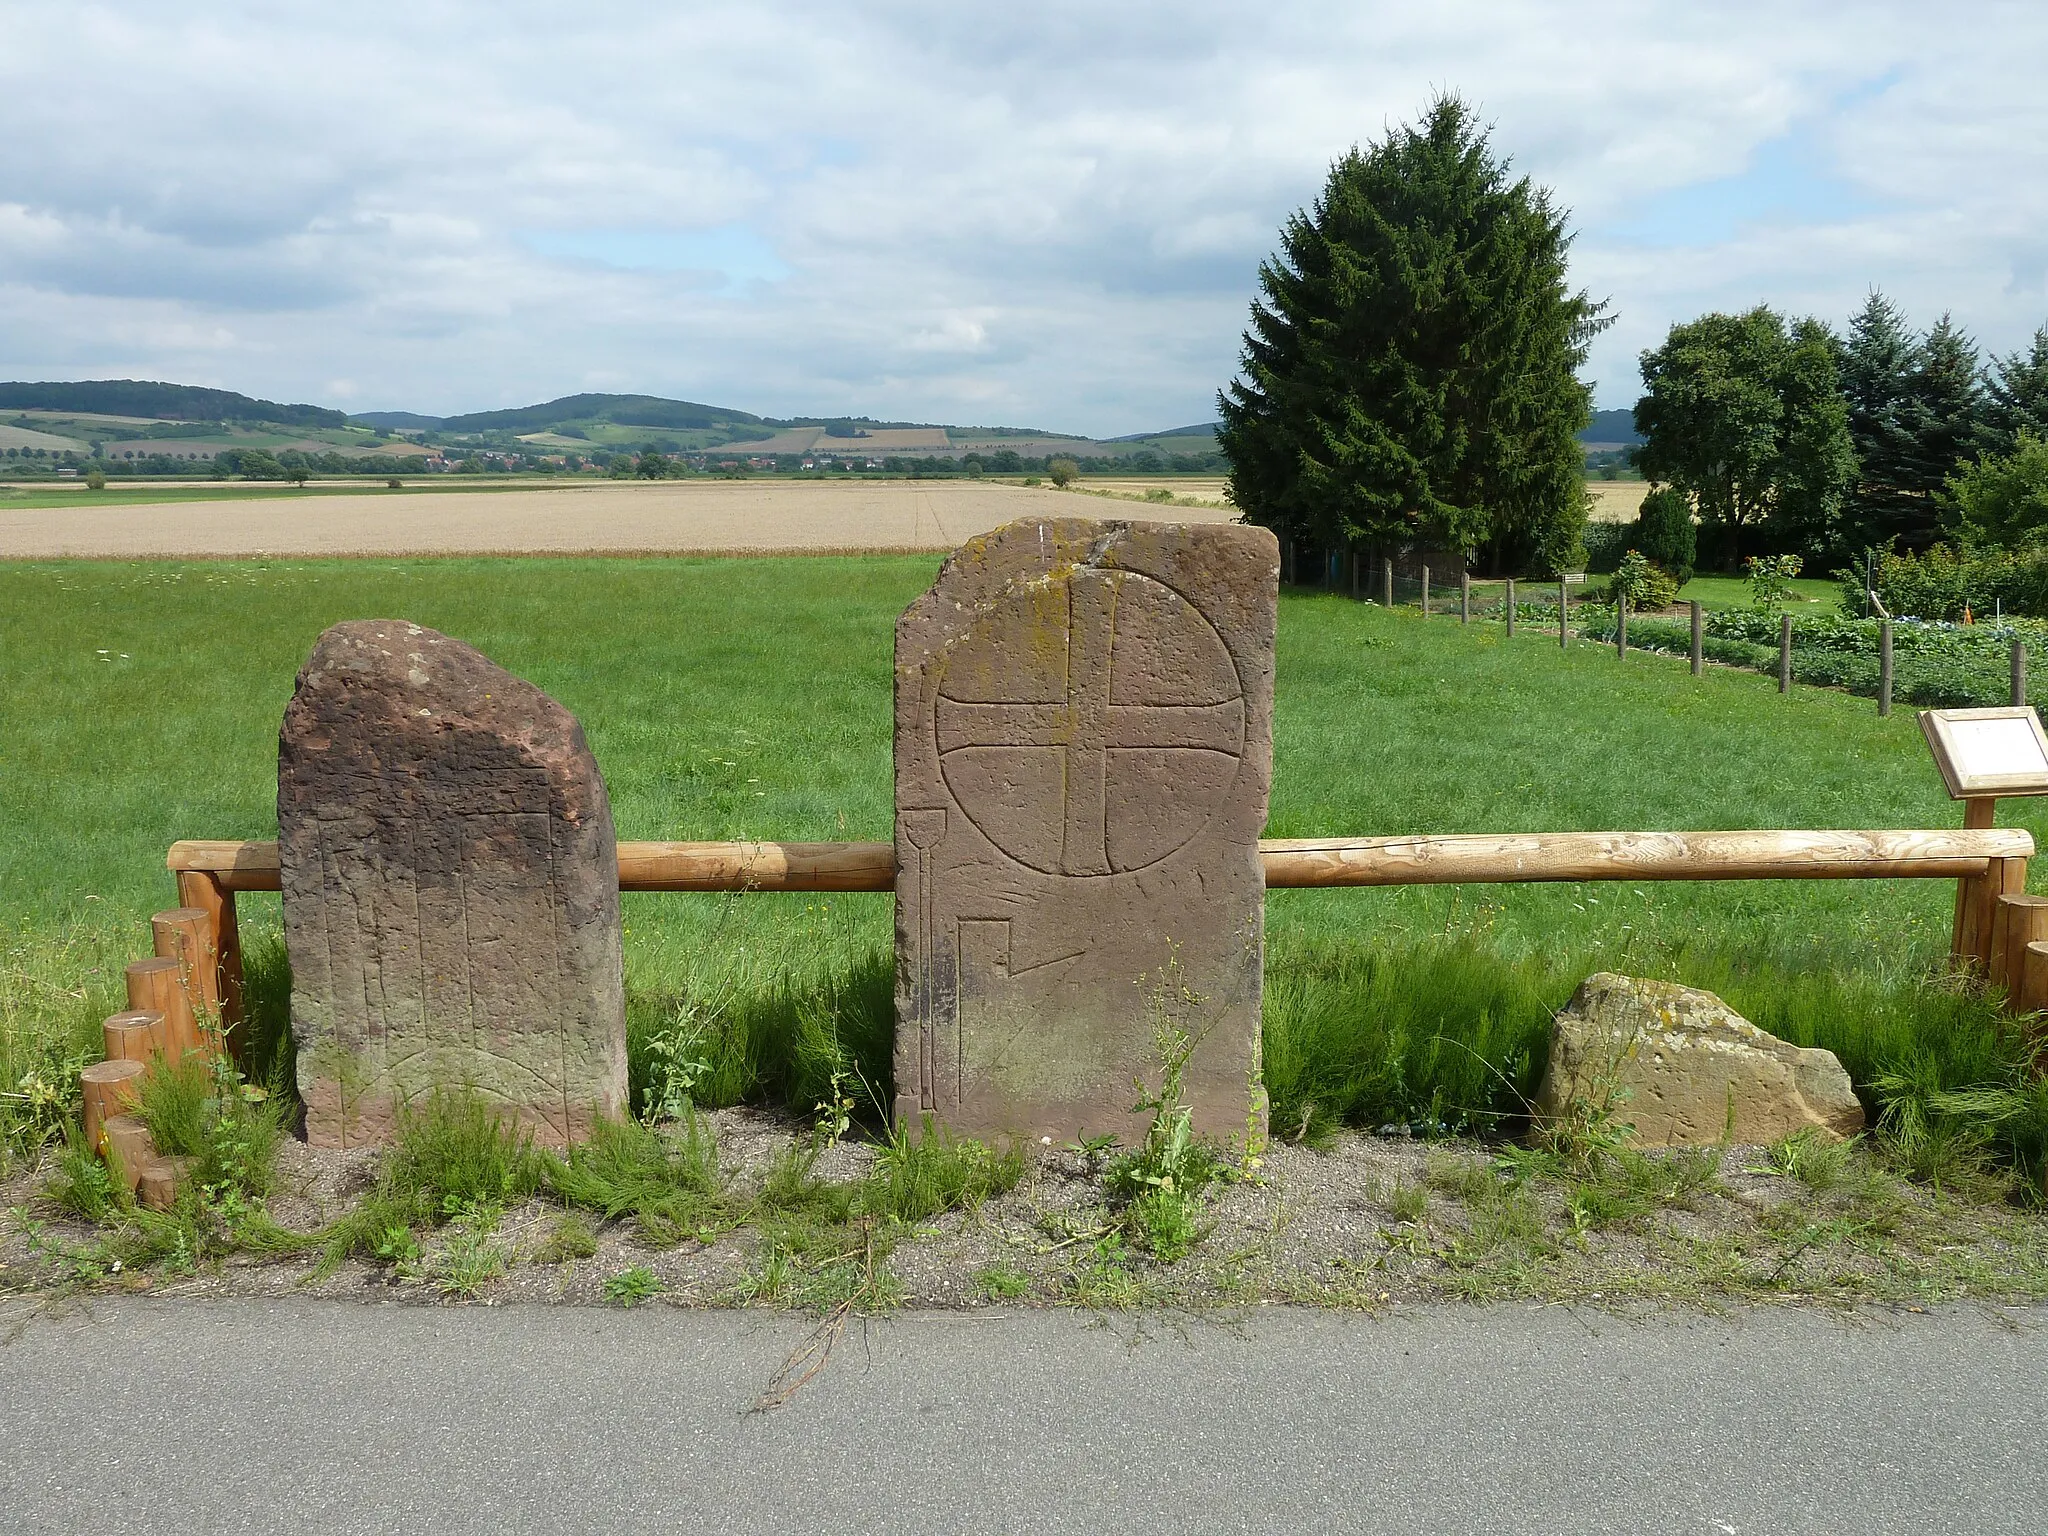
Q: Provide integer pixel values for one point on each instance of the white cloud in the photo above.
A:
(1050, 214)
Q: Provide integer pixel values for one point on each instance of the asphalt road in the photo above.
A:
(324, 1417)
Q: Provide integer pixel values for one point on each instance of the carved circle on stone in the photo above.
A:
(1089, 722)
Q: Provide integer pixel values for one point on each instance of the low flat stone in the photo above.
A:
(1687, 1070)
(451, 891)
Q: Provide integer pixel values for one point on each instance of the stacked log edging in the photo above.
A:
(174, 1008)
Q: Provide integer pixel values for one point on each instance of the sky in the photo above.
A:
(1048, 215)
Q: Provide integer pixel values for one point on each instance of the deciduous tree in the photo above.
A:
(1743, 414)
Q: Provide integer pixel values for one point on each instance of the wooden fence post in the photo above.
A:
(110, 1089)
(1387, 580)
(2019, 674)
(2020, 920)
(1784, 653)
(1464, 597)
(1884, 667)
(184, 934)
(1621, 624)
(1425, 591)
(159, 985)
(1564, 613)
(1698, 640)
(1356, 579)
(1970, 945)
(2033, 993)
(139, 1035)
(203, 892)
(1511, 607)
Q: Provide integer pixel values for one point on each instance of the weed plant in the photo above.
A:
(630, 1287)
(1157, 1188)
(570, 1238)
(200, 1108)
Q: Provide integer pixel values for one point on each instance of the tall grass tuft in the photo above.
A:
(458, 1151)
(789, 1031)
(54, 991)
(196, 1108)
(669, 1185)
(917, 1178)
(1442, 1036)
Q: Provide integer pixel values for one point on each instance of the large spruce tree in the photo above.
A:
(1876, 362)
(1410, 375)
(1945, 413)
(2017, 397)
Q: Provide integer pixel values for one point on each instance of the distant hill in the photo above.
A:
(1612, 427)
(160, 402)
(396, 421)
(1207, 429)
(588, 424)
(619, 410)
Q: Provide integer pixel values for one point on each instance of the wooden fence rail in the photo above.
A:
(1299, 863)
(1986, 863)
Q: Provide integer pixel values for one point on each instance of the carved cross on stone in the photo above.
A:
(1083, 744)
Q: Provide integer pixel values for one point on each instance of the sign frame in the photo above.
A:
(1962, 780)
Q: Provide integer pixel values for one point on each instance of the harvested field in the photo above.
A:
(1615, 501)
(605, 518)
(1207, 489)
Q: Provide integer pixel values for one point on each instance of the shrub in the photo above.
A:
(2003, 501)
(1641, 583)
(1770, 578)
(1605, 544)
(1062, 472)
(95, 480)
(1944, 583)
(1664, 532)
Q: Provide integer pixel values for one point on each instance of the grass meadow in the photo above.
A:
(139, 703)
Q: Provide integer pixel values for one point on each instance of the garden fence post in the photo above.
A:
(1290, 562)
(1387, 580)
(1564, 614)
(1511, 607)
(1356, 563)
(1621, 624)
(1464, 597)
(1784, 653)
(1698, 642)
(1425, 591)
(1884, 667)
(2019, 674)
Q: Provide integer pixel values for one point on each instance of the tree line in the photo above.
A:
(1409, 383)
(1788, 437)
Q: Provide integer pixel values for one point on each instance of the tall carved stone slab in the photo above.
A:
(451, 891)
(1083, 751)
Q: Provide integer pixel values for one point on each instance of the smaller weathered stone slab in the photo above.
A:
(1685, 1069)
(451, 891)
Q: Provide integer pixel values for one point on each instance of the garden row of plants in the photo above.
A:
(1934, 664)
